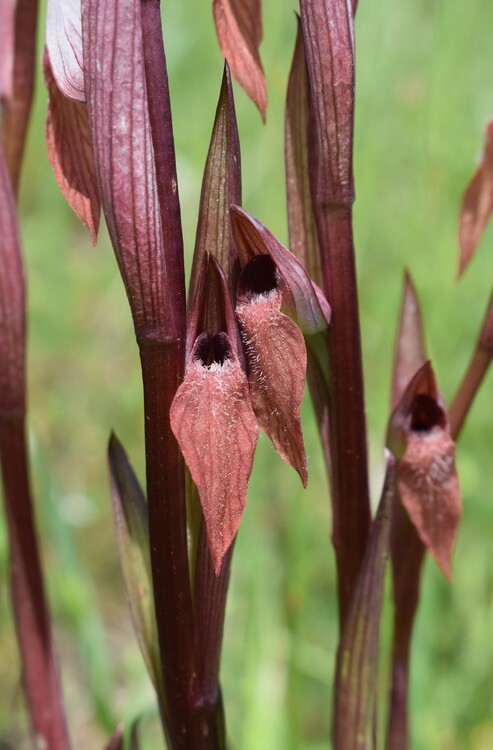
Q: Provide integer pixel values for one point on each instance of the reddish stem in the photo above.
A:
(40, 675)
(468, 389)
(347, 425)
(161, 370)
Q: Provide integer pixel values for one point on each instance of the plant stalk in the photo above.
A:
(32, 619)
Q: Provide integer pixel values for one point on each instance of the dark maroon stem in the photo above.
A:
(210, 607)
(407, 559)
(347, 425)
(161, 372)
(468, 389)
(31, 614)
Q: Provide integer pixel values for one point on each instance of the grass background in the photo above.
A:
(424, 94)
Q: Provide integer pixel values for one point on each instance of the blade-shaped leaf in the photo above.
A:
(303, 239)
(69, 144)
(302, 299)
(214, 424)
(116, 90)
(329, 43)
(64, 43)
(357, 660)
(239, 31)
(276, 355)
(477, 204)
(116, 741)
(132, 533)
(221, 187)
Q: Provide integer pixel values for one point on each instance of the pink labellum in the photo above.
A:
(239, 31)
(427, 482)
(302, 299)
(64, 43)
(213, 421)
(7, 31)
(477, 204)
(276, 356)
(69, 145)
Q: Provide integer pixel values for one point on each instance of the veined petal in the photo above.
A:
(302, 299)
(239, 31)
(477, 204)
(68, 140)
(64, 43)
(213, 421)
(276, 355)
(427, 481)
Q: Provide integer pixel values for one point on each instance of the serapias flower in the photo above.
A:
(234, 384)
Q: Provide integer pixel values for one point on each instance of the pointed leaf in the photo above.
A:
(357, 659)
(12, 302)
(239, 31)
(303, 239)
(410, 352)
(64, 43)
(124, 161)
(132, 533)
(329, 42)
(427, 481)
(68, 140)
(221, 187)
(477, 204)
(213, 421)
(303, 300)
(276, 355)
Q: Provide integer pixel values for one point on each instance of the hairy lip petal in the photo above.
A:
(213, 421)
(64, 42)
(304, 301)
(429, 489)
(477, 204)
(69, 145)
(276, 355)
(427, 482)
(239, 31)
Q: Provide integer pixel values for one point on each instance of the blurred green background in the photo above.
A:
(424, 94)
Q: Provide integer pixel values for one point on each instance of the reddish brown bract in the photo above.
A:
(69, 146)
(477, 204)
(239, 31)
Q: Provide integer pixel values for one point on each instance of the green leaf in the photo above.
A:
(131, 521)
(357, 659)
